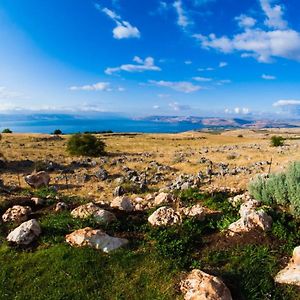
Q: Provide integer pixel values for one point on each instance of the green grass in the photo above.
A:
(62, 272)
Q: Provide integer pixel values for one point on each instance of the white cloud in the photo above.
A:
(274, 15)
(99, 86)
(178, 107)
(268, 77)
(223, 81)
(245, 21)
(141, 66)
(263, 45)
(188, 62)
(202, 79)
(290, 102)
(238, 111)
(124, 29)
(223, 64)
(183, 20)
(180, 86)
(205, 69)
(156, 107)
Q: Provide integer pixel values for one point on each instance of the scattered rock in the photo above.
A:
(17, 213)
(162, 198)
(195, 211)
(119, 191)
(95, 238)
(122, 203)
(101, 174)
(291, 273)
(25, 233)
(38, 180)
(202, 286)
(91, 210)
(251, 218)
(37, 201)
(61, 206)
(164, 216)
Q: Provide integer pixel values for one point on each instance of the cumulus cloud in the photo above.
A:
(263, 44)
(141, 65)
(178, 107)
(274, 15)
(99, 86)
(182, 20)
(290, 106)
(268, 77)
(180, 86)
(123, 29)
(245, 21)
(289, 102)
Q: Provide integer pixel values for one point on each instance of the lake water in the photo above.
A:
(82, 125)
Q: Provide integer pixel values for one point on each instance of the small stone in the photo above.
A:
(37, 201)
(122, 203)
(38, 180)
(164, 216)
(61, 206)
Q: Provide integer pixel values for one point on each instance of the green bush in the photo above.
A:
(277, 141)
(57, 132)
(282, 189)
(85, 145)
(6, 130)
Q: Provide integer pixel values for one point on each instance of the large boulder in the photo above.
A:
(38, 180)
(25, 233)
(164, 216)
(90, 210)
(291, 273)
(122, 203)
(95, 238)
(199, 285)
(17, 213)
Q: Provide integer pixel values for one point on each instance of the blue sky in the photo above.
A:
(177, 57)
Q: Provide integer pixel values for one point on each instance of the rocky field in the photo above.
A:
(164, 216)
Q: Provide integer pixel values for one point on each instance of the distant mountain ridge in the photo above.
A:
(224, 122)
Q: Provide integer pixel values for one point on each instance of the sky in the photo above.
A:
(141, 58)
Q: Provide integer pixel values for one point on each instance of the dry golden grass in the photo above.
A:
(163, 148)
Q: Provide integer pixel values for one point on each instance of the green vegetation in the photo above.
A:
(85, 145)
(152, 263)
(6, 130)
(57, 132)
(277, 141)
(279, 190)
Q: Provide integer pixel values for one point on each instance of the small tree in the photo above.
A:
(85, 145)
(57, 132)
(6, 130)
(277, 141)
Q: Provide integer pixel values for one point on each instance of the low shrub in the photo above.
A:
(57, 132)
(85, 145)
(277, 141)
(6, 130)
(282, 189)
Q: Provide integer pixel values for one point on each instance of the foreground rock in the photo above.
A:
(251, 218)
(164, 216)
(25, 233)
(202, 286)
(162, 198)
(38, 180)
(17, 213)
(95, 238)
(195, 211)
(91, 210)
(291, 274)
(122, 203)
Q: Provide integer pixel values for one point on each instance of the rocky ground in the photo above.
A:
(170, 213)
